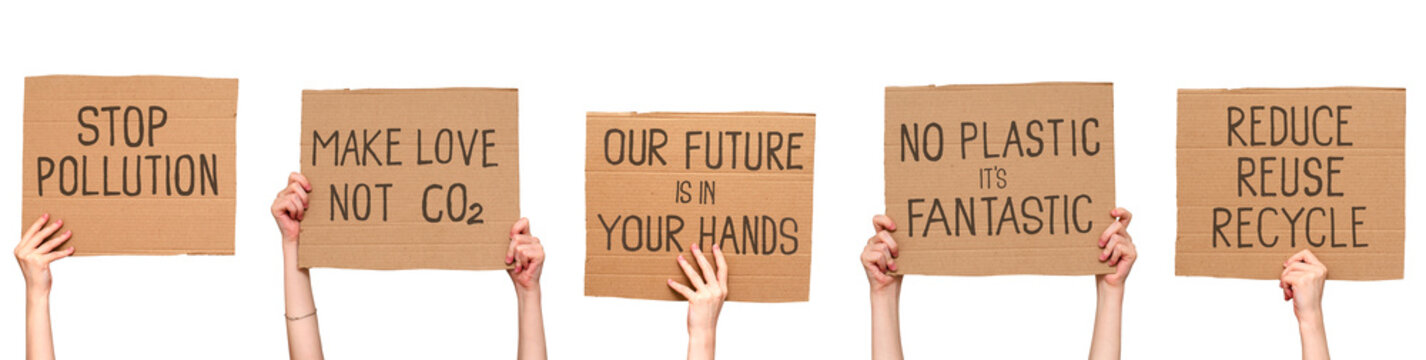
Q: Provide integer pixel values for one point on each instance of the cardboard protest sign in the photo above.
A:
(407, 179)
(133, 165)
(1000, 179)
(1265, 173)
(657, 184)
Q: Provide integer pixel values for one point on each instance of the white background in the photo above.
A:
(568, 58)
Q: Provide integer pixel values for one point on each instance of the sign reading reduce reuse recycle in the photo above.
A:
(1265, 173)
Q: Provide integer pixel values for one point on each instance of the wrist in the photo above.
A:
(701, 338)
(1309, 319)
(528, 295)
(37, 294)
(1105, 289)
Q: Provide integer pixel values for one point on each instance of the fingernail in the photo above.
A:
(680, 257)
(892, 266)
(695, 248)
(715, 247)
(45, 216)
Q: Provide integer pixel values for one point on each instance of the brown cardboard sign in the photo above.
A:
(138, 165)
(656, 184)
(1265, 173)
(410, 179)
(1000, 179)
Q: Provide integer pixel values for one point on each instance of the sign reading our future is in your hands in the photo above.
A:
(657, 184)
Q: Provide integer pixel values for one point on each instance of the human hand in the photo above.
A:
(1118, 250)
(705, 298)
(879, 258)
(1303, 277)
(527, 255)
(290, 207)
(36, 251)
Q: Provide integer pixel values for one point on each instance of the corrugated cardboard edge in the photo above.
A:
(236, 156)
(1267, 90)
(955, 87)
(404, 91)
(673, 114)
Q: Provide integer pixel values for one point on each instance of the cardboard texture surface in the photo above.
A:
(410, 179)
(658, 183)
(1265, 173)
(1000, 179)
(138, 165)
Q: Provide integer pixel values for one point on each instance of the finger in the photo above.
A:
(693, 277)
(522, 262)
(1104, 255)
(521, 227)
(297, 210)
(1123, 214)
(1113, 229)
(881, 277)
(722, 265)
(890, 242)
(45, 233)
(51, 244)
(873, 268)
(1118, 254)
(51, 257)
(882, 222)
(39, 223)
(681, 289)
(296, 190)
(534, 257)
(1310, 258)
(297, 178)
(886, 255)
(1300, 256)
(709, 276)
(510, 252)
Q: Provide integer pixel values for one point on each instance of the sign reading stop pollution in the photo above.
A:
(140, 165)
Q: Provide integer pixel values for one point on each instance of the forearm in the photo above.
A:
(1314, 337)
(701, 344)
(532, 327)
(303, 339)
(1107, 323)
(39, 343)
(886, 324)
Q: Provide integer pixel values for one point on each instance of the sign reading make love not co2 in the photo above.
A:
(402, 179)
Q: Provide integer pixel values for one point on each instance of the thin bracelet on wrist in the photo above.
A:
(295, 318)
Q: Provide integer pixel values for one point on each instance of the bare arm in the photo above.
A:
(1303, 278)
(528, 257)
(303, 339)
(1119, 252)
(879, 260)
(35, 252)
(705, 300)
